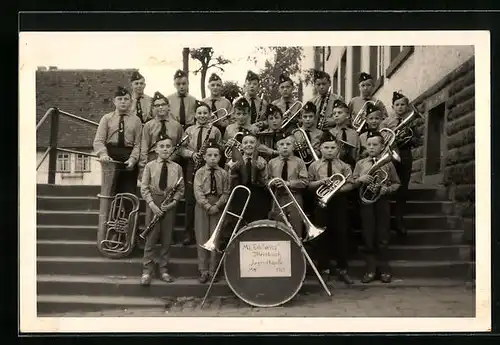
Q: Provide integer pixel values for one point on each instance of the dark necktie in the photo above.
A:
(323, 98)
(163, 176)
(249, 170)
(214, 108)
(308, 133)
(121, 132)
(182, 112)
(139, 108)
(200, 138)
(253, 111)
(329, 171)
(287, 106)
(213, 182)
(163, 129)
(344, 134)
(284, 170)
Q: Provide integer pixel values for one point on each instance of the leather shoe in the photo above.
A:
(343, 276)
(368, 277)
(385, 278)
(166, 277)
(204, 277)
(145, 279)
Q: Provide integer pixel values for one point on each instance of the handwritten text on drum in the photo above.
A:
(265, 259)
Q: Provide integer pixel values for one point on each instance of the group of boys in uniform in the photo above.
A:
(163, 138)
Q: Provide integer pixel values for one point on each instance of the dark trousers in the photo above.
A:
(375, 222)
(403, 169)
(334, 242)
(126, 180)
(188, 169)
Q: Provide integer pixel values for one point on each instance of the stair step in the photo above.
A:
(91, 203)
(83, 266)
(88, 233)
(45, 217)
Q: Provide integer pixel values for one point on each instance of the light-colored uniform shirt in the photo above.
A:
(150, 184)
(329, 107)
(107, 133)
(259, 176)
(234, 128)
(190, 146)
(189, 105)
(297, 171)
(201, 186)
(362, 166)
(319, 170)
(220, 103)
(151, 131)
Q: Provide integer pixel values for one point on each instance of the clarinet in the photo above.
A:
(198, 162)
(167, 200)
(322, 114)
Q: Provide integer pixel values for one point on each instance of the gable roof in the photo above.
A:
(85, 93)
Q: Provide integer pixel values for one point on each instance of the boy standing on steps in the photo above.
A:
(158, 180)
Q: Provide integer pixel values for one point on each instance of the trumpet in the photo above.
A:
(304, 147)
(322, 114)
(287, 119)
(212, 244)
(326, 191)
(370, 193)
(228, 150)
(312, 231)
(359, 120)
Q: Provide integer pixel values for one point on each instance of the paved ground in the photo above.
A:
(374, 302)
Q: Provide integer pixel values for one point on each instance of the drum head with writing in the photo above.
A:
(264, 266)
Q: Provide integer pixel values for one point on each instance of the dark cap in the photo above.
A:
(326, 136)
(271, 109)
(251, 76)
(180, 74)
(121, 91)
(284, 78)
(158, 95)
(364, 76)
(241, 103)
(310, 107)
(214, 77)
(338, 103)
(397, 95)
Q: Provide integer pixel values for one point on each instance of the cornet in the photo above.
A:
(360, 120)
(370, 193)
(288, 118)
(304, 147)
(326, 191)
(228, 150)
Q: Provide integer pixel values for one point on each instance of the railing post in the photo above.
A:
(54, 131)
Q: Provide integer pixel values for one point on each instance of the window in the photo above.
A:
(63, 162)
(82, 163)
(356, 69)
(335, 81)
(435, 136)
(399, 54)
(343, 79)
(377, 66)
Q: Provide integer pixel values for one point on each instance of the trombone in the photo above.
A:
(326, 191)
(304, 146)
(212, 243)
(214, 118)
(312, 230)
(288, 118)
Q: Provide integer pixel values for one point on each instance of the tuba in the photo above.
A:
(212, 243)
(370, 193)
(328, 190)
(403, 131)
(312, 231)
(359, 121)
(304, 147)
(118, 215)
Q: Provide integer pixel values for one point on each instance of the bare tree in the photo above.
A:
(207, 60)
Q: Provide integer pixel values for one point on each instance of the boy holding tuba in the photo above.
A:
(158, 179)
(376, 216)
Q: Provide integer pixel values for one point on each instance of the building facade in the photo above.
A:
(439, 81)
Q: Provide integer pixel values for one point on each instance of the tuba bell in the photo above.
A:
(359, 121)
(326, 191)
(228, 149)
(304, 147)
(118, 215)
(370, 193)
(312, 231)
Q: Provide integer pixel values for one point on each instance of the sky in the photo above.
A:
(156, 57)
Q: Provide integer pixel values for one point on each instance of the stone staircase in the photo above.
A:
(72, 275)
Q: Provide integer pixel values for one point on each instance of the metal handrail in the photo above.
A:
(54, 133)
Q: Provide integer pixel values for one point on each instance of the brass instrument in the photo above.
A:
(370, 193)
(228, 150)
(214, 118)
(167, 200)
(326, 191)
(403, 131)
(322, 114)
(118, 215)
(311, 230)
(198, 157)
(359, 121)
(389, 137)
(304, 147)
(212, 244)
(287, 119)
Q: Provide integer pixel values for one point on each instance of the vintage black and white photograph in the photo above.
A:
(262, 180)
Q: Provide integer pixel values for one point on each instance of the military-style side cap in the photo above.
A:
(310, 107)
(136, 76)
(251, 76)
(179, 74)
(284, 78)
(121, 91)
(214, 77)
(364, 76)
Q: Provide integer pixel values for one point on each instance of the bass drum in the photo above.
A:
(264, 266)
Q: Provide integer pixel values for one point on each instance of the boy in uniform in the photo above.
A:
(309, 119)
(366, 85)
(118, 137)
(161, 124)
(322, 83)
(294, 172)
(141, 103)
(269, 137)
(158, 180)
(373, 120)
(400, 105)
(257, 105)
(197, 135)
(182, 104)
(349, 145)
(241, 123)
(217, 101)
(335, 215)
(376, 217)
(286, 101)
(211, 190)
